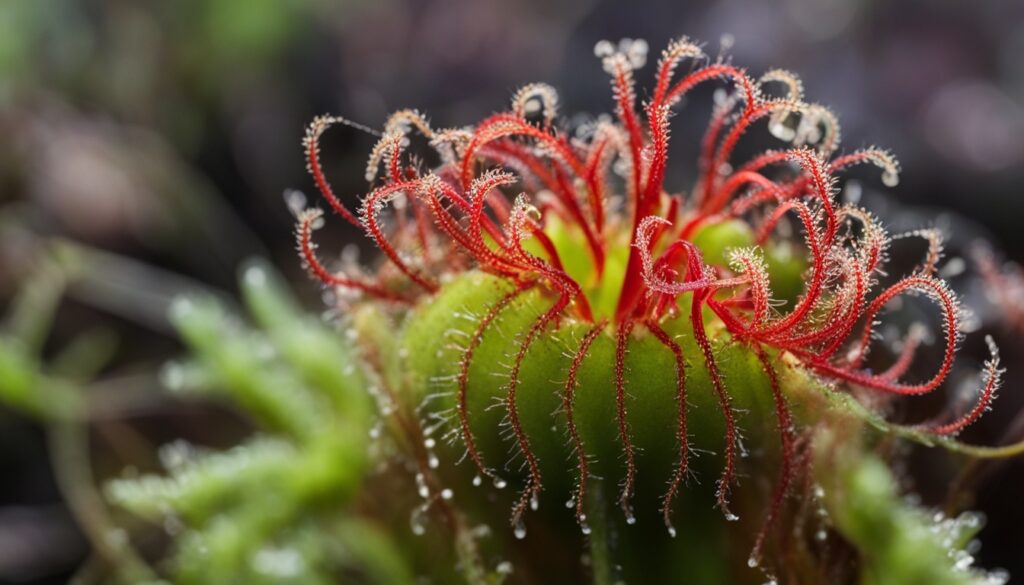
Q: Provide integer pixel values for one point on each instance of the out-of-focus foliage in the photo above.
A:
(109, 52)
(899, 542)
(274, 509)
(267, 510)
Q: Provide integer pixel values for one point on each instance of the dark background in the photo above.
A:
(167, 132)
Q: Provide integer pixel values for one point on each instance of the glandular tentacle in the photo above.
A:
(463, 377)
(531, 490)
(568, 402)
(625, 432)
(682, 466)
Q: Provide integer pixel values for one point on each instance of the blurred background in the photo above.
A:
(166, 133)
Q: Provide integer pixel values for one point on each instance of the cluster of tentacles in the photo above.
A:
(1004, 285)
(606, 180)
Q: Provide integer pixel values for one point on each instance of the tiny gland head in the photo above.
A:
(562, 300)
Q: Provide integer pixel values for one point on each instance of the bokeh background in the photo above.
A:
(166, 132)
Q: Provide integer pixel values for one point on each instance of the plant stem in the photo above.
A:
(69, 451)
(601, 564)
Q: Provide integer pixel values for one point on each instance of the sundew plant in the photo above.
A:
(554, 297)
(564, 368)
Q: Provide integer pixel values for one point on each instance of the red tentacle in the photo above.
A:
(312, 147)
(533, 485)
(700, 335)
(788, 441)
(371, 206)
(304, 236)
(626, 495)
(935, 289)
(463, 378)
(992, 379)
(682, 466)
(568, 402)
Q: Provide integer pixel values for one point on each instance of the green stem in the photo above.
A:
(923, 437)
(32, 311)
(69, 451)
(601, 564)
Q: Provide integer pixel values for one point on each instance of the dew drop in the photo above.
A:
(500, 483)
(278, 563)
(731, 517)
(429, 443)
(416, 522)
(181, 307)
(962, 560)
(433, 461)
(778, 128)
(421, 486)
(636, 52)
(477, 480)
(603, 48)
(890, 179)
(852, 192)
(954, 267)
(504, 568)
(172, 375)
(971, 520)
(672, 531)
(630, 518)
(534, 502)
(752, 562)
(808, 130)
(585, 529)
(447, 494)
(719, 96)
(177, 455)
(569, 504)
(295, 201)
(520, 530)
(255, 276)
